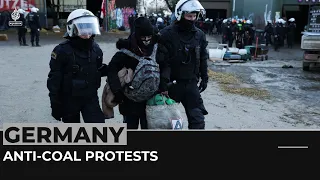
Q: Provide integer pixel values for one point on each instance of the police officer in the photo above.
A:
(268, 30)
(282, 31)
(34, 24)
(22, 30)
(277, 35)
(188, 60)
(249, 33)
(291, 29)
(76, 68)
(225, 29)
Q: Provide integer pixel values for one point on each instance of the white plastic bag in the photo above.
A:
(164, 117)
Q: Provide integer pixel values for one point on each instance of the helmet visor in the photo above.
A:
(86, 26)
(192, 6)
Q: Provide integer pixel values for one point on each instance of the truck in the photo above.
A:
(310, 39)
(310, 44)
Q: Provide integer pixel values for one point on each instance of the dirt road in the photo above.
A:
(24, 95)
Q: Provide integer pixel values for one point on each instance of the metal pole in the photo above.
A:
(106, 17)
(157, 6)
(234, 7)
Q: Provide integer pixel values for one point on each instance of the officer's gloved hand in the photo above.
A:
(203, 85)
(118, 97)
(56, 111)
(163, 85)
(104, 70)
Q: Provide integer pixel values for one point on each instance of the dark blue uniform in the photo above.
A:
(35, 27)
(188, 62)
(74, 78)
(22, 30)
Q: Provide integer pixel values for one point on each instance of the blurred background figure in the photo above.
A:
(22, 30)
(34, 25)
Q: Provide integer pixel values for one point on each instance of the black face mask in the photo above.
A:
(80, 43)
(186, 24)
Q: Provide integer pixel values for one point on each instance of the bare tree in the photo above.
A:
(171, 4)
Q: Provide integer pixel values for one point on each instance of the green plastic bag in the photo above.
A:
(160, 99)
(162, 112)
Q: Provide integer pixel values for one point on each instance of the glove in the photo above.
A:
(118, 97)
(103, 70)
(203, 85)
(56, 111)
(163, 85)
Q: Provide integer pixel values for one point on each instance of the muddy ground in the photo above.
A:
(293, 103)
(300, 90)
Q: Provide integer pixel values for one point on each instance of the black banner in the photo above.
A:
(182, 154)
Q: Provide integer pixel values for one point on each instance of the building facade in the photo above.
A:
(217, 8)
(261, 10)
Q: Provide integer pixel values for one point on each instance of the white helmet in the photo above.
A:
(188, 6)
(34, 9)
(225, 21)
(248, 22)
(21, 11)
(159, 19)
(292, 20)
(211, 20)
(82, 22)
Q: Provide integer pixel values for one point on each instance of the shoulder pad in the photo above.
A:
(165, 30)
(64, 42)
(97, 48)
(63, 47)
(56, 51)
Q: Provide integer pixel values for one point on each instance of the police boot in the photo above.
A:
(25, 44)
(32, 44)
(38, 45)
(20, 43)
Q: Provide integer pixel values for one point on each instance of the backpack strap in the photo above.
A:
(129, 53)
(154, 52)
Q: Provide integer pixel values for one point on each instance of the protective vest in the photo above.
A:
(185, 63)
(81, 75)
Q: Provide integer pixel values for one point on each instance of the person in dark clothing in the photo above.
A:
(291, 29)
(239, 35)
(211, 26)
(268, 30)
(142, 43)
(219, 26)
(248, 33)
(76, 68)
(225, 30)
(188, 61)
(277, 35)
(22, 30)
(131, 21)
(34, 25)
(282, 32)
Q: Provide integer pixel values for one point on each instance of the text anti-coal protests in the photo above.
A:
(65, 134)
(75, 156)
